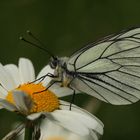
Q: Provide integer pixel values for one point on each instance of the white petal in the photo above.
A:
(47, 129)
(1, 107)
(47, 69)
(34, 116)
(26, 70)
(6, 79)
(99, 125)
(22, 101)
(47, 132)
(13, 71)
(3, 92)
(71, 121)
(7, 105)
(93, 135)
(60, 91)
(77, 137)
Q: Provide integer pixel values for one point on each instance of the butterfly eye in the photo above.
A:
(53, 63)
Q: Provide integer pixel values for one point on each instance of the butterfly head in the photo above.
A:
(54, 61)
(58, 62)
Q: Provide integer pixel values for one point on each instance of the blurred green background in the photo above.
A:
(65, 26)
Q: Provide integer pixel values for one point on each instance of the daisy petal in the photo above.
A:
(26, 70)
(44, 71)
(3, 93)
(1, 107)
(99, 127)
(13, 71)
(67, 120)
(22, 101)
(47, 132)
(6, 79)
(60, 91)
(34, 116)
(88, 121)
(7, 105)
(47, 128)
(93, 135)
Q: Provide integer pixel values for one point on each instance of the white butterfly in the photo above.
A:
(108, 69)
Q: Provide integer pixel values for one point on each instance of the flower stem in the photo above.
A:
(29, 128)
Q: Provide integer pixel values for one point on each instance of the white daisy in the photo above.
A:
(19, 93)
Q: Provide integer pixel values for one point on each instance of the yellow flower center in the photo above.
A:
(44, 100)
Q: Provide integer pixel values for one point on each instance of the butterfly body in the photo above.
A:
(61, 73)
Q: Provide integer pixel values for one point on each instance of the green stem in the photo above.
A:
(29, 128)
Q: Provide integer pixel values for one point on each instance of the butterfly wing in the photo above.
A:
(110, 68)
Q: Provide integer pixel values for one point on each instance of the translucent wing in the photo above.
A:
(110, 69)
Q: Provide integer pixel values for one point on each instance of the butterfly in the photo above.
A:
(108, 69)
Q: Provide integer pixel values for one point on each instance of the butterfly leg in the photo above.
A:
(73, 98)
(51, 84)
(73, 95)
(43, 77)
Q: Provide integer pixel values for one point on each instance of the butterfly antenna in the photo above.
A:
(36, 45)
(40, 42)
(34, 37)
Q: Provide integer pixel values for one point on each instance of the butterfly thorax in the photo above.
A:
(61, 73)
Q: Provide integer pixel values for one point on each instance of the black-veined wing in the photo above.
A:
(110, 69)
